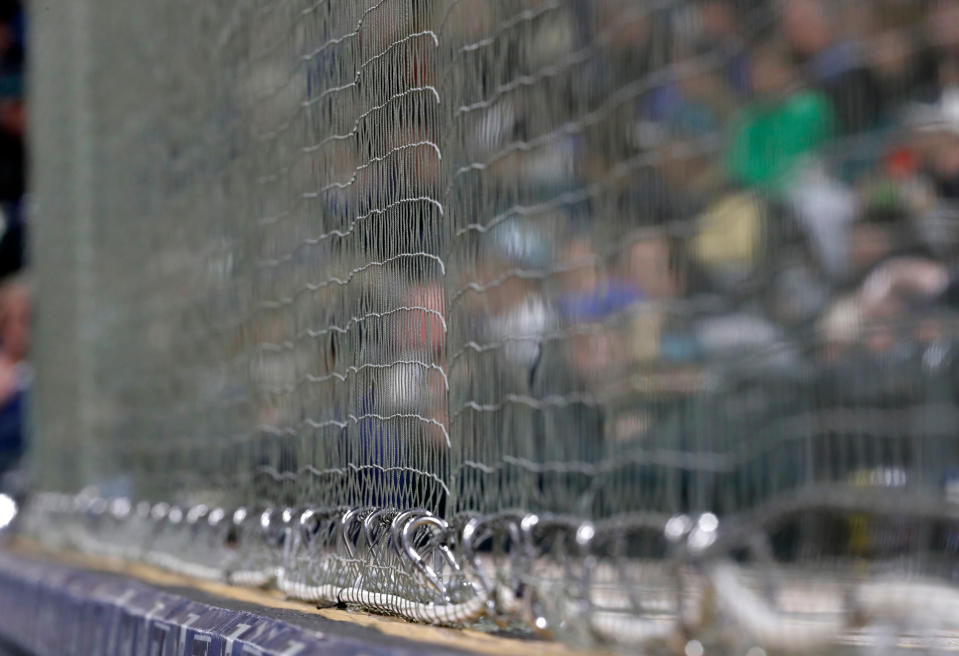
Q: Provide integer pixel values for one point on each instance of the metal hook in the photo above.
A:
(471, 536)
(537, 620)
(239, 516)
(346, 524)
(418, 561)
(218, 528)
(374, 536)
(215, 517)
(273, 531)
(195, 514)
(399, 523)
(351, 537)
(306, 532)
(120, 508)
(142, 510)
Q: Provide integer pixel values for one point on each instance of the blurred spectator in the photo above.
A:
(834, 64)
(882, 232)
(15, 373)
(780, 126)
(943, 164)
(728, 238)
(824, 208)
(942, 28)
(901, 280)
(902, 70)
(721, 27)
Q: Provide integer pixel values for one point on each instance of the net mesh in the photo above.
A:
(506, 308)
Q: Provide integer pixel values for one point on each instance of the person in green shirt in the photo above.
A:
(782, 124)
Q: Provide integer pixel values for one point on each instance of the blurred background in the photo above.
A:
(777, 195)
(15, 375)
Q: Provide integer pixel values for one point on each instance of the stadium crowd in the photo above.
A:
(808, 176)
(796, 228)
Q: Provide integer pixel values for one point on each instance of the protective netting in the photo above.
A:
(609, 317)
